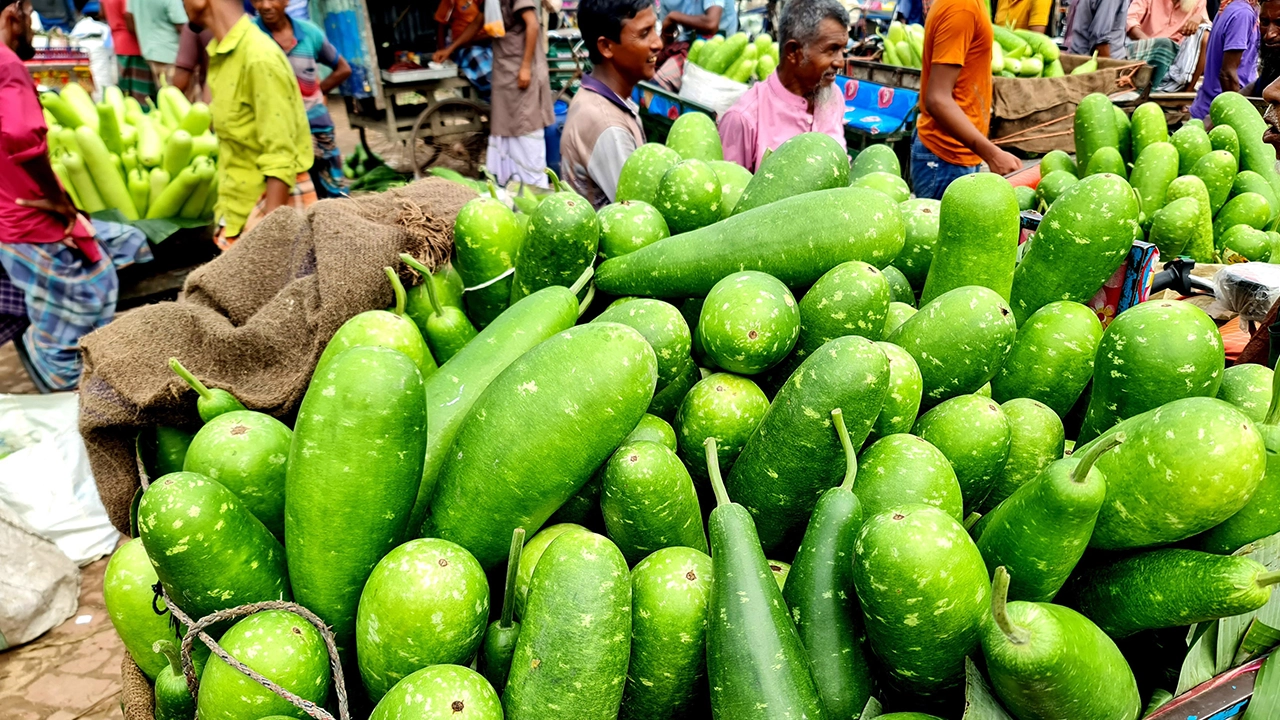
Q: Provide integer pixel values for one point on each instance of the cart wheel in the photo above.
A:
(454, 134)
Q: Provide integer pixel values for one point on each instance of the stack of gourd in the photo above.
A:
(114, 155)
(737, 57)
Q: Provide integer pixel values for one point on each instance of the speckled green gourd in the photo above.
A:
(1036, 438)
(653, 429)
(902, 401)
(518, 456)
(1152, 173)
(1040, 532)
(440, 692)
(733, 180)
(793, 455)
(1169, 587)
(425, 603)
(1260, 517)
(749, 322)
(563, 238)
(803, 163)
(1159, 487)
(796, 240)
(1241, 243)
(1233, 109)
(575, 638)
(628, 226)
(826, 614)
(757, 667)
(1192, 143)
(875, 158)
(921, 218)
(1094, 127)
(1249, 209)
(977, 237)
(905, 470)
(897, 314)
(1055, 160)
(974, 435)
(689, 196)
(173, 698)
(649, 502)
(460, 382)
(1081, 241)
(899, 287)
(1147, 127)
(127, 593)
(1026, 197)
(1051, 663)
(1174, 226)
(1218, 171)
(693, 135)
(1053, 185)
(1107, 161)
(643, 170)
(726, 407)
(210, 402)
(1052, 357)
(584, 507)
(850, 299)
(924, 593)
(1250, 181)
(279, 645)
(959, 341)
(209, 552)
(246, 452)
(662, 325)
(341, 516)
(1200, 247)
(1248, 387)
(530, 556)
(670, 592)
(893, 187)
(390, 329)
(1152, 354)
(487, 237)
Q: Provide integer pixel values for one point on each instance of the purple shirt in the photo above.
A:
(1235, 28)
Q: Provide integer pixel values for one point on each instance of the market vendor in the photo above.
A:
(603, 126)
(1097, 26)
(683, 20)
(1268, 48)
(955, 100)
(1156, 29)
(466, 41)
(264, 140)
(801, 95)
(1231, 59)
(1271, 93)
(64, 265)
(306, 46)
(522, 106)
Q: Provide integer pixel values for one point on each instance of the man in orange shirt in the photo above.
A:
(468, 44)
(955, 103)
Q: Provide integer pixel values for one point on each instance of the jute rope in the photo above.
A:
(1124, 83)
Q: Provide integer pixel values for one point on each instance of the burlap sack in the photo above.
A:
(253, 321)
(137, 698)
(1036, 114)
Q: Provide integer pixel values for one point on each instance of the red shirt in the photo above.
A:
(22, 132)
(126, 43)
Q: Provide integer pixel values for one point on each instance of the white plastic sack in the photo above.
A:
(39, 586)
(95, 38)
(1248, 289)
(45, 476)
(708, 89)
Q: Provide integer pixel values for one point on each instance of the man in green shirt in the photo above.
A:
(264, 140)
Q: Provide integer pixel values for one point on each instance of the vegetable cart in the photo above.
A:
(660, 107)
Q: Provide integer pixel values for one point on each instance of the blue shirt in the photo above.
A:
(728, 16)
(310, 48)
(1235, 28)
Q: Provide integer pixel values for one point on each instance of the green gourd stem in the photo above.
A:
(398, 289)
(1268, 578)
(190, 379)
(170, 652)
(971, 519)
(493, 190)
(1273, 412)
(1000, 608)
(555, 180)
(582, 280)
(412, 262)
(850, 456)
(1080, 472)
(713, 469)
(513, 569)
(586, 301)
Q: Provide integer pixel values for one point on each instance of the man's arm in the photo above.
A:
(463, 40)
(942, 107)
(1137, 12)
(341, 69)
(1229, 75)
(531, 31)
(1104, 17)
(707, 23)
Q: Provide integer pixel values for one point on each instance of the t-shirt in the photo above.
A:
(1091, 23)
(459, 14)
(600, 133)
(1235, 28)
(728, 15)
(124, 41)
(1023, 13)
(958, 32)
(156, 22)
(310, 47)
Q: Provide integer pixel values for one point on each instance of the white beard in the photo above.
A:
(826, 95)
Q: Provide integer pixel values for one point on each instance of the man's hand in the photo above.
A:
(61, 207)
(524, 78)
(1003, 163)
(1189, 27)
(440, 56)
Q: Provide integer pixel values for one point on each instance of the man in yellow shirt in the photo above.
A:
(264, 140)
(1030, 15)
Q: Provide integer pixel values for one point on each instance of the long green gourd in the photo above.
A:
(1233, 109)
(1259, 517)
(756, 663)
(818, 592)
(977, 237)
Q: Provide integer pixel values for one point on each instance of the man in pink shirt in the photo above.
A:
(801, 96)
(1155, 28)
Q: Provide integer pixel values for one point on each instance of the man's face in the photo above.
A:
(635, 55)
(271, 11)
(815, 64)
(1272, 116)
(18, 18)
(1269, 26)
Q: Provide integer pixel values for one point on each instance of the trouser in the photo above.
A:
(930, 174)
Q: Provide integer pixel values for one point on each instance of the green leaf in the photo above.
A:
(979, 703)
(1200, 662)
(1265, 704)
(1258, 639)
(1231, 631)
(1158, 699)
(157, 230)
(873, 709)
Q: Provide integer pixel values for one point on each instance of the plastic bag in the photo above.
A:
(45, 476)
(41, 585)
(708, 89)
(493, 25)
(1249, 289)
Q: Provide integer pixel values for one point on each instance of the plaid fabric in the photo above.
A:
(66, 297)
(301, 197)
(13, 309)
(476, 62)
(1159, 53)
(135, 77)
(326, 171)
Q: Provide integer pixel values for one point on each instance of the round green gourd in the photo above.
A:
(921, 218)
(653, 429)
(899, 287)
(894, 187)
(897, 314)
(283, 648)
(247, 452)
(381, 328)
(1192, 143)
(850, 299)
(173, 698)
(643, 170)
(726, 407)
(902, 401)
(628, 226)
(689, 196)
(906, 470)
(1053, 184)
(1052, 357)
(649, 502)
(486, 236)
(1248, 387)
(749, 322)
(1055, 160)
(1241, 243)
(973, 433)
(875, 158)
(733, 181)
(663, 326)
(1026, 197)
(693, 136)
(563, 238)
(1260, 517)
(440, 692)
